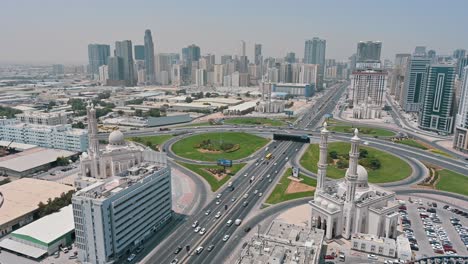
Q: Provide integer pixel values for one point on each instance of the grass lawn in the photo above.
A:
(213, 181)
(440, 152)
(411, 143)
(392, 168)
(253, 121)
(197, 124)
(452, 182)
(368, 131)
(248, 144)
(152, 141)
(279, 194)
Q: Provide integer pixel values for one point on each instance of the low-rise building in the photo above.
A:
(42, 118)
(374, 244)
(241, 109)
(19, 201)
(43, 236)
(49, 136)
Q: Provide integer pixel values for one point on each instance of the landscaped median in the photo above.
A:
(259, 121)
(445, 180)
(213, 174)
(153, 142)
(421, 145)
(366, 131)
(381, 166)
(288, 189)
(213, 146)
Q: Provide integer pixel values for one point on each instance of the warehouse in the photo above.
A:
(43, 236)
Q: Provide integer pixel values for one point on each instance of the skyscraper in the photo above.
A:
(139, 52)
(461, 64)
(459, 53)
(115, 71)
(190, 53)
(123, 50)
(149, 57)
(242, 48)
(413, 85)
(98, 55)
(314, 53)
(437, 99)
(368, 51)
(258, 54)
(460, 140)
(290, 57)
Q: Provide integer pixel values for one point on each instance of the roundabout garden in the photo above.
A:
(213, 146)
(381, 166)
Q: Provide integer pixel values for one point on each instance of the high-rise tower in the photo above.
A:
(98, 55)
(149, 57)
(123, 49)
(314, 53)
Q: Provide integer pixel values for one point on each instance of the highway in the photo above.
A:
(216, 228)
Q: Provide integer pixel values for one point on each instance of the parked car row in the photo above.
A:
(456, 211)
(408, 231)
(435, 232)
(461, 230)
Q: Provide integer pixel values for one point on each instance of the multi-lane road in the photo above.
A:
(233, 204)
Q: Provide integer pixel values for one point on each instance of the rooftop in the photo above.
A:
(49, 228)
(32, 158)
(22, 196)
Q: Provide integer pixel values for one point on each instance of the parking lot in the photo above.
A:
(430, 229)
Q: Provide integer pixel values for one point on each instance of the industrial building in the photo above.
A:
(19, 201)
(296, 89)
(43, 236)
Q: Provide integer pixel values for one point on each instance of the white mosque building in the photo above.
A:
(351, 205)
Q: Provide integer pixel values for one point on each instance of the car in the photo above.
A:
(208, 212)
(202, 231)
(247, 229)
(225, 238)
(268, 176)
(260, 194)
(131, 257)
(195, 224)
(246, 195)
(218, 201)
(256, 191)
(269, 180)
(329, 257)
(174, 261)
(178, 249)
(233, 199)
(446, 207)
(57, 254)
(210, 247)
(245, 175)
(372, 256)
(139, 249)
(245, 204)
(218, 214)
(229, 222)
(219, 195)
(199, 250)
(438, 251)
(197, 229)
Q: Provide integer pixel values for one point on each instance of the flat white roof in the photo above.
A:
(32, 158)
(15, 145)
(21, 248)
(22, 196)
(50, 227)
(243, 106)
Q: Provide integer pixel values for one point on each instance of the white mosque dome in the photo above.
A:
(318, 200)
(362, 174)
(116, 138)
(331, 207)
(324, 204)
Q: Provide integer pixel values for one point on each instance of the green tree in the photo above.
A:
(9, 112)
(62, 161)
(139, 112)
(363, 153)
(51, 104)
(153, 113)
(333, 154)
(374, 164)
(208, 94)
(188, 99)
(79, 124)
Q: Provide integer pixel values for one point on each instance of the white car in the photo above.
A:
(218, 201)
(195, 224)
(371, 256)
(256, 191)
(218, 214)
(202, 231)
(197, 229)
(268, 176)
(260, 194)
(225, 238)
(219, 195)
(131, 257)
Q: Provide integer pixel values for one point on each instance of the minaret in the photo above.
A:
(352, 175)
(322, 163)
(351, 182)
(93, 148)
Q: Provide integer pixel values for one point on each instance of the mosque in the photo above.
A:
(351, 205)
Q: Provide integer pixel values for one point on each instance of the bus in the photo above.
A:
(268, 156)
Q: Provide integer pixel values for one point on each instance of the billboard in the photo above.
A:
(225, 163)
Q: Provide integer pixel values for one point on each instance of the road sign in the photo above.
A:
(295, 172)
(225, 163)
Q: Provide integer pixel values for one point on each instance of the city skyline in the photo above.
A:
(68, 43)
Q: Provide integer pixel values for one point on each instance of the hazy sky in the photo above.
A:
(58, 31)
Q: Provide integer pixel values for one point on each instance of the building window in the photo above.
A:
(380, 250)
(355, 245)
(391, 252)
(363, 246)
(372, 248)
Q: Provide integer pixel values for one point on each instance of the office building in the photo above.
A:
(164, 63)
(459, 53)
(200, 79)
(258, 54)
(308, 73)
(410, 99)
(218, 74)
(314, 53)
(368, 87)
(125, 197)
(149, 58)
(460, 140)
(43, 118)
(296, 89)
(103, 74)
(461, 64)
(190, 54)
(115, 70)
(437, 99)
(290, 57)
(352, 205)
(398, 74)
(124, 51)
(243, 48)
(58, 69)
(98, 55)
(368, 51)
(226, 58)
(139, 52)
